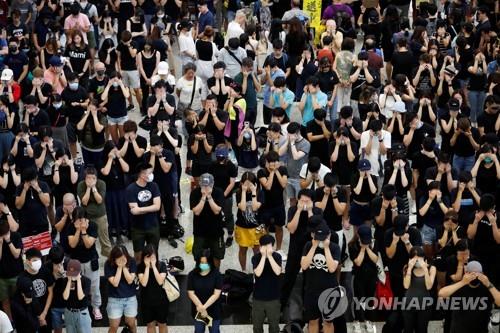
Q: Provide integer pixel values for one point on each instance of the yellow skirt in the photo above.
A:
(248, 237)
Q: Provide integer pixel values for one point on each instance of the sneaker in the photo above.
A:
(97, 314)
(181, 207)
(172, 242)
(356, 327)
(369, 327)
(229, 241)
(283, 255)
(130, 107)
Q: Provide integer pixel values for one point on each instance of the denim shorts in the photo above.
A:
(118, 307)
(117, 121)
(57, 318)
(428, 235)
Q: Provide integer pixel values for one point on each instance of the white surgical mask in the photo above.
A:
(73, 85)
(161, 16)
(36, 265)
(419, 124)
(151, 177)
(57, 105)
(321, 245)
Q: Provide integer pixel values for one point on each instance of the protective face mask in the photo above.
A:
(488, 160)
(115, 84)
(36, 265)
(417, 264)
(151, 177)
(161, 16)
(321, 245)
(57, 105)
(420, 124)
(73, 86)
(100, 73)
(204, 267)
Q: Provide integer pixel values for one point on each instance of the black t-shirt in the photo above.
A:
(282, 62)
(42, 281)
(418, 137)
(434, 215)
(80, 252)
(63, 234)
(343, 166)
(167, 181)
(273, 197)
(267, 286)
(161, 108)
(317, 278)
(421, 163)
(143, 197)
(203, 287)
(22, 159)
(424, 84)
(484, 245)
(486, 179)
(449, 249)
(376, 207)
(403, 63)
(356, 123)
(223, 173)
(33, 214)
(117, 104)
(77, 58)
(468, 205)
(463, 147)
(327, 81)
(210, 125)
(74, 113)
(330, 215)
(365, 195)
(97, 87)
(467, 320)
(40, 119)
(361, 82)
(73, 302)
(401, 257)
(46, 171)
(202, 157)
(115, 179)
(301, 235)
(127, 62)
(10, 267)
(368, 269)
(59, 285)
(487, 121)
(248, 218)
(431, 174)
(130, 156)
(207, 224)
(319, 148)
(153, 293)
(124, 289)
(221, 98)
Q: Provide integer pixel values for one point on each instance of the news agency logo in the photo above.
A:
(333, 303)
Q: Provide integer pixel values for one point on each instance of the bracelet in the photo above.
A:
(9, 242)
(56, 170)
(83, 234)
(490, 286)
(381, 140)
(407, 243)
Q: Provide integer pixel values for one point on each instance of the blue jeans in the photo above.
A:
(199, 327)
(463, 163)
(428, 235)
(476, 100)
(57, 318)
(78, 321)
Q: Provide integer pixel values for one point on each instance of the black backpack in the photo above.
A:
(237, 286)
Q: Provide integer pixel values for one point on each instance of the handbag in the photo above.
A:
(171, 287)
(383, 292)
(146, 123)
(181, 107)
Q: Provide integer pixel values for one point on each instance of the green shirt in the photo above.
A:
(251, 93)
(93, 209)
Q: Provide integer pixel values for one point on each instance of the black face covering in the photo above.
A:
(12, 49)
(475, 283)
(101, 73)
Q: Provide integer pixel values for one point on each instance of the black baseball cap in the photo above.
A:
(365, 234)
(400, 223)
(321, 232)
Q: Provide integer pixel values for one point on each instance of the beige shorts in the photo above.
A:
(131, 79)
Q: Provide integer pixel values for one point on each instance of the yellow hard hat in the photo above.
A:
(189, 244)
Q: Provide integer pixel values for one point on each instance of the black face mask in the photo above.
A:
(12, 49)
(75, 12)
(220, 159)
(101, 73)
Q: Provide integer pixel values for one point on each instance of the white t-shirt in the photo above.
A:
(234, 30)
(186, 88)
(186, 43)
(5, 324)
(374, 152)
(323, 170)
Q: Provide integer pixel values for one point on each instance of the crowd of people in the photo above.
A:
(286, 128)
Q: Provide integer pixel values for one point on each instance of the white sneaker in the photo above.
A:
(356, 327)
(283, 255)
(369, 327)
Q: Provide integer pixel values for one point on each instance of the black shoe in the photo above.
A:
(126, 233)
(130, 107)
(229, 241)
(172, 242)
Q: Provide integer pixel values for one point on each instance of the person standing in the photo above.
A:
(144, 201)
(207, 202)
(267, 271)
(92, 194)
(76, 294)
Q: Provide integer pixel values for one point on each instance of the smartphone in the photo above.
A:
(205, 320)
(370, 3)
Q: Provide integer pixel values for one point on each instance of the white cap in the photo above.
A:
(399, 106)
(7, 74)
(163, 68)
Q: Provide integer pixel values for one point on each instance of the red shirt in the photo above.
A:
(326, 53)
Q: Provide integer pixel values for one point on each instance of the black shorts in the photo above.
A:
(273, 216)
(216, 246)
(151, 313)
(198, 169)
(311, 309)
(358, 214)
